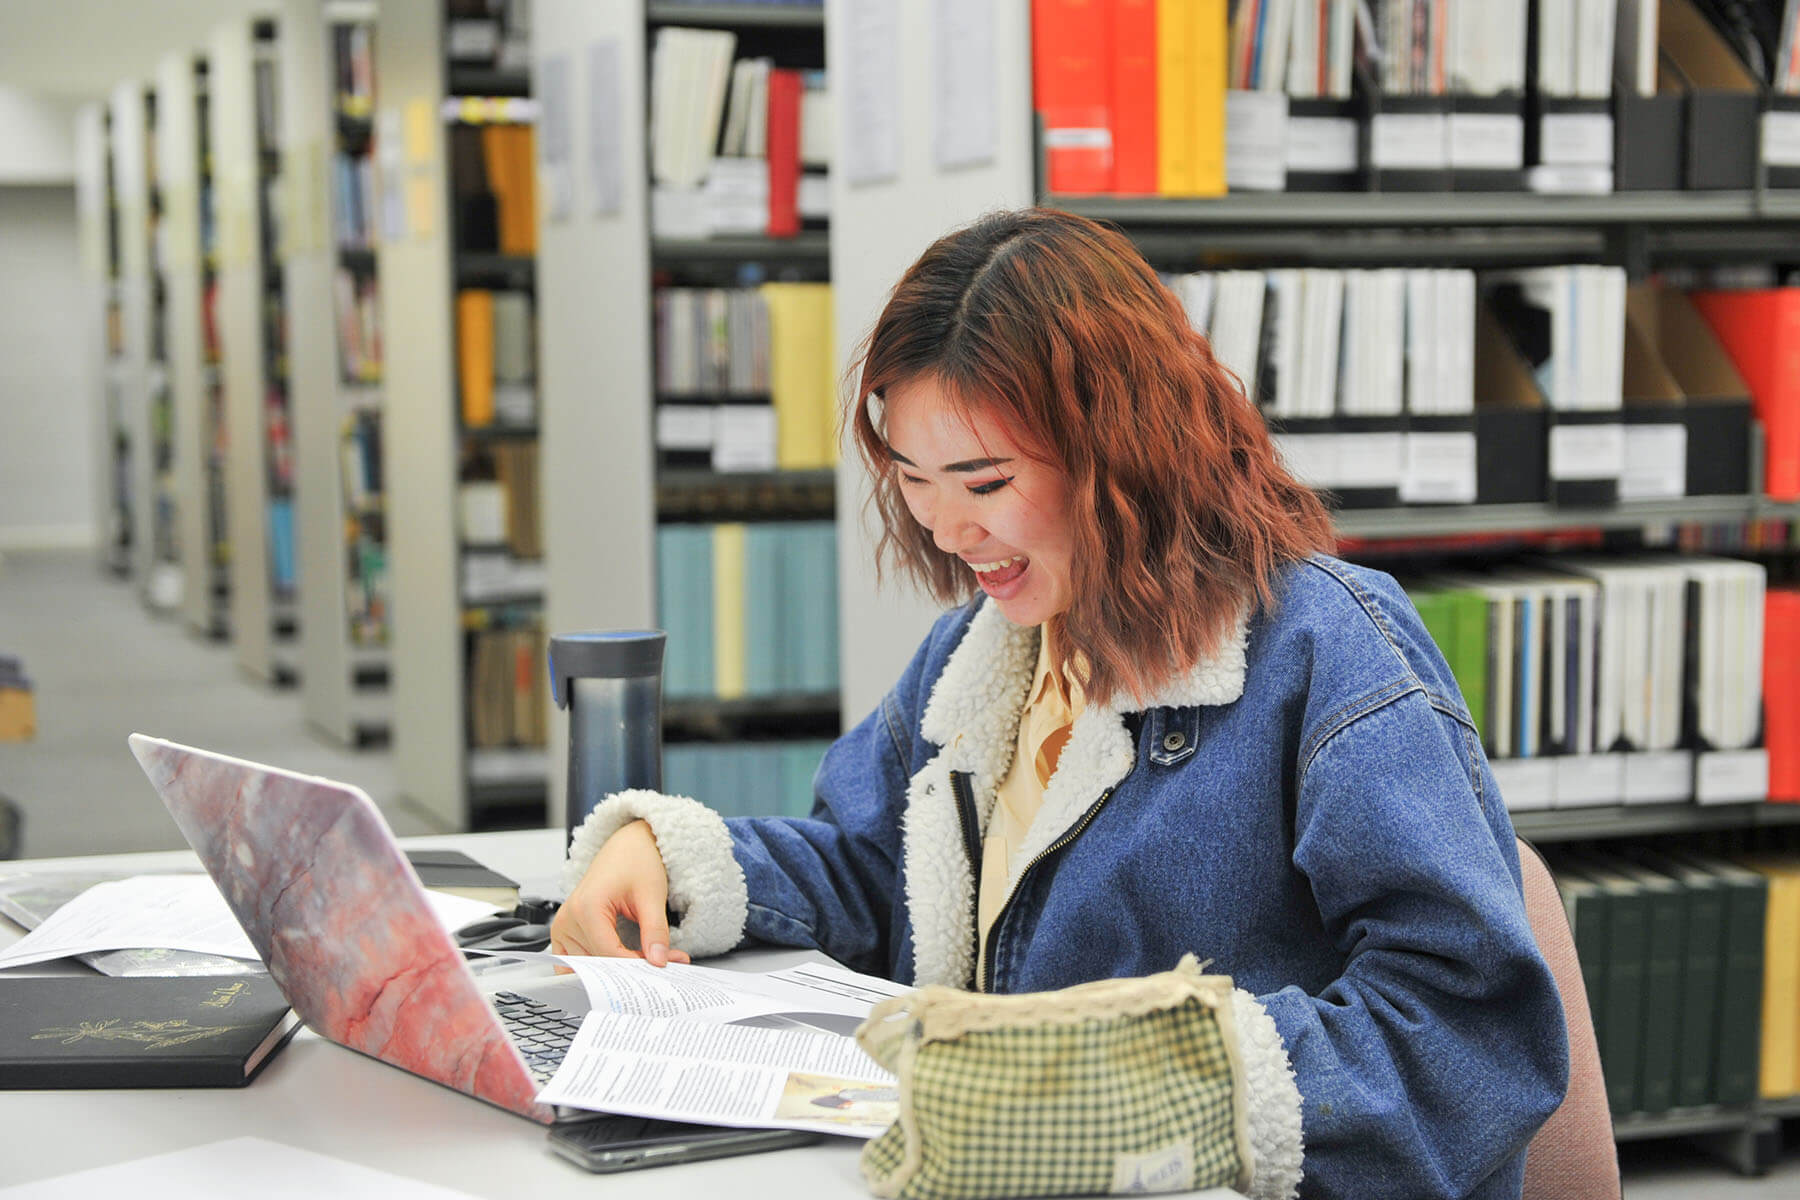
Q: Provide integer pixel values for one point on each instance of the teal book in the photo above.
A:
(763, 607)
(827, 625)
(1703, 942)
(1665, 953)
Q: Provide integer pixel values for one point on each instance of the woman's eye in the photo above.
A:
(993, 485)
(912, 479)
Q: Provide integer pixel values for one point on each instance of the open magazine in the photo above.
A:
(687, 1043)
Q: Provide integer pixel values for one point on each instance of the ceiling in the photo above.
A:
(79, 49)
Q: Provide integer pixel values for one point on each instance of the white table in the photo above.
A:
(320, 1097)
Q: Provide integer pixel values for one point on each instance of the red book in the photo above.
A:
(1781, 692)
(1760, 329)
(1071, 87)
(784, 153)
(1134, 97)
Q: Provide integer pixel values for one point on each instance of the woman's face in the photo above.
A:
(1004, 514)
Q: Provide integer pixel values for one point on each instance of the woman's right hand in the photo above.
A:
(626, 880)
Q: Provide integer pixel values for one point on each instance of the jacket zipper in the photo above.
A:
(965, 818)
(987, 958)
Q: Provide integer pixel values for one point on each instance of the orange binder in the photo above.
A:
(1781, 692)
(1760, 329)
(1071, 61)
(475, 356)
(1134, 97)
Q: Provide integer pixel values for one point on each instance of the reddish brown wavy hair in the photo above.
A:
(1057, 327)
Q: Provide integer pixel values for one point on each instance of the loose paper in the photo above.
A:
(176, 912)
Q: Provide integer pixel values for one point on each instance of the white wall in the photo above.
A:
(46, 440)
(37, 138)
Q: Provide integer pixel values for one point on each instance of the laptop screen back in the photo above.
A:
(313, 874)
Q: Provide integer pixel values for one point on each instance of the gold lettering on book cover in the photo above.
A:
(150, 1035)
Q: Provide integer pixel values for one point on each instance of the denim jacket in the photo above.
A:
(1310, 810)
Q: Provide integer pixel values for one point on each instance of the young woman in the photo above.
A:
(1164, 722)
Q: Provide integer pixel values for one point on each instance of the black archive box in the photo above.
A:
(1648, 139)
(1784, 109)
(1582, 490)
(1326, 149)
(1723, 100)
(1509, 455)
(1370, 454)
(1571, 137)
(1487, 143)
(1408, 143)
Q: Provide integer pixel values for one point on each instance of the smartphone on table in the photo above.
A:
(608, 1142)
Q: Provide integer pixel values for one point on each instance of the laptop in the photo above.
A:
(313, 873)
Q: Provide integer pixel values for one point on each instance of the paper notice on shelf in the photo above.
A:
(173, 912)
(1655, 462)
(605, 118)
(871, 91)
(963, 41)
(555, 142)
(679, 1069)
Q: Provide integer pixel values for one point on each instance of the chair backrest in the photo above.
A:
(1574, 1153)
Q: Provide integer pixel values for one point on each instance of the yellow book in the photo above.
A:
(802, 374)
(1176, 115)
(1779, 1076)
(475, 356)
(1212, 37)
(728, 611)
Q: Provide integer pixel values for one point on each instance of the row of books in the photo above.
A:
(354, 212)
(366, 583)
(496, 359)
(1583, 655)
(493, 173)
(1580, 389)
(353, 67)
(745, 779)
(488, 33)
(750, 610)
(734, 147)
(360, 451)
(1691, 964)
(772, 344)
(358, 303)
(1312, 342)
(497, 500)
(1195, 97)
(508, 688)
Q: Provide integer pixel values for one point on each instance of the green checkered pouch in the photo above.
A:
(1123, 1085)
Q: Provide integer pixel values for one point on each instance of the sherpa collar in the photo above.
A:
(973, 714)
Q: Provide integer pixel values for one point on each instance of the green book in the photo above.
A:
(1741, 982)
(1703, 941)
(1665, 955)
(1628, 944)
(1586, 904)
(1469, 654)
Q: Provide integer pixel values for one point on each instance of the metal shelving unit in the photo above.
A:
(1455, 520)
(738, 16)
(811, 246)
(1647, 820)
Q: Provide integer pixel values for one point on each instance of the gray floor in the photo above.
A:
(103, 668)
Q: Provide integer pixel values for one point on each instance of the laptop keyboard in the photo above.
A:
(541, 1031)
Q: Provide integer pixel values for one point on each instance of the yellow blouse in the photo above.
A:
(1050, 711)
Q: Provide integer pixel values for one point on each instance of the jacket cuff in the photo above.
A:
(707, 893)
(1272, 1101)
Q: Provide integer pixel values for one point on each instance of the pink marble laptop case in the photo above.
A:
(313, 874)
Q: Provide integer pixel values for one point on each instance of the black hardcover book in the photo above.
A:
(93, 1031)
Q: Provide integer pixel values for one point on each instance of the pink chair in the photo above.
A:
(1574, 1153)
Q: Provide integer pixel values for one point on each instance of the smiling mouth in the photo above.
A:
(1001, 571)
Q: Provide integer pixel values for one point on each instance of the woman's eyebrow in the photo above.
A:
(964, 467)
